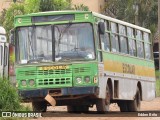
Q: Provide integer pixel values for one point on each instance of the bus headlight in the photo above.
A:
(24, 82)
(31, 82)
(87, 79)
(78, 80)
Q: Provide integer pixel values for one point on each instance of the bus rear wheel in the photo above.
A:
(123, 105)
(134, 105)
(103, 104)
(39, 106)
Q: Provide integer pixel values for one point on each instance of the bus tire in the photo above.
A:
(102, 105)
(134, 105)
(77, 109)
(39, 106)
(123, 105)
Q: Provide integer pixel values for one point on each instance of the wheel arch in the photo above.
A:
(140, 88)
(110, 85)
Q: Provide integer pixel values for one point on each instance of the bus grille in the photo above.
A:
(54, 72)
(54, 81)
(48, 78)
(82, 70)
(44, 72)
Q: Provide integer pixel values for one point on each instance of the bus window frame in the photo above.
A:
(17, 55)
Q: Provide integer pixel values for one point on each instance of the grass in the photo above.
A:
(158, 88)
(9, 99)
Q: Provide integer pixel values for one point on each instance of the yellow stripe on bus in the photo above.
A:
(119, 67)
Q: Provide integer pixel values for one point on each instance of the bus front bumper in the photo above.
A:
(41, 93)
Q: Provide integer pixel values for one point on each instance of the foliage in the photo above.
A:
(45, 5)
(31, 6)
(61, 5)
(15, 9)
(2, 17)
(140, 12)
(81, 7)
(9, 99)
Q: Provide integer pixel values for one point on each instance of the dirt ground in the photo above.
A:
(153, 105)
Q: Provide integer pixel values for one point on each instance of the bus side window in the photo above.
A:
(123, 39)
(131, 41)
(140, 44)
(105, 38)
(114, 37)
(147, 45)
(105, 42)
(107, 25)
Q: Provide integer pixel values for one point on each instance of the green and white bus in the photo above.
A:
(79, 59)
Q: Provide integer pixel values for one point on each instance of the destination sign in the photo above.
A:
(57, 67)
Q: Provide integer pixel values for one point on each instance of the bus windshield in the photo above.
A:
(58, 43)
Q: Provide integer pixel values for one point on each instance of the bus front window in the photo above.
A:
(35, 44)
(58, 43)
(74, 42)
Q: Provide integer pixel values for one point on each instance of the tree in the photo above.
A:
(30, 6)
(62, 4)
(2, 17)
(81, 7)
(15, 9)
(139, 12)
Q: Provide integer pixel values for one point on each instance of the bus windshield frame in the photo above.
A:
(55, 43)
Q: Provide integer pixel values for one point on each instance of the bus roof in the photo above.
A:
(83, 12)
(54, 12)
(120, 22)
(2, 30)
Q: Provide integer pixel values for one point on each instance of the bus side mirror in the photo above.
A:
(101, 27)
(11, 37)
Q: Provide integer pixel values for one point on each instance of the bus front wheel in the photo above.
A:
(102, 105)
(39, 106)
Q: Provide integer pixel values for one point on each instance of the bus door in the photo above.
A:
(4, 59)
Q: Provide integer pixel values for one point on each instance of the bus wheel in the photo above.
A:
(40, 106)
(123, 105)
(78, 109)
(134, 105)
(103, 104)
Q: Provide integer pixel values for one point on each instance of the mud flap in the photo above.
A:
(50, 99)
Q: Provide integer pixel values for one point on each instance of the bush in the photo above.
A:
(9, 99)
